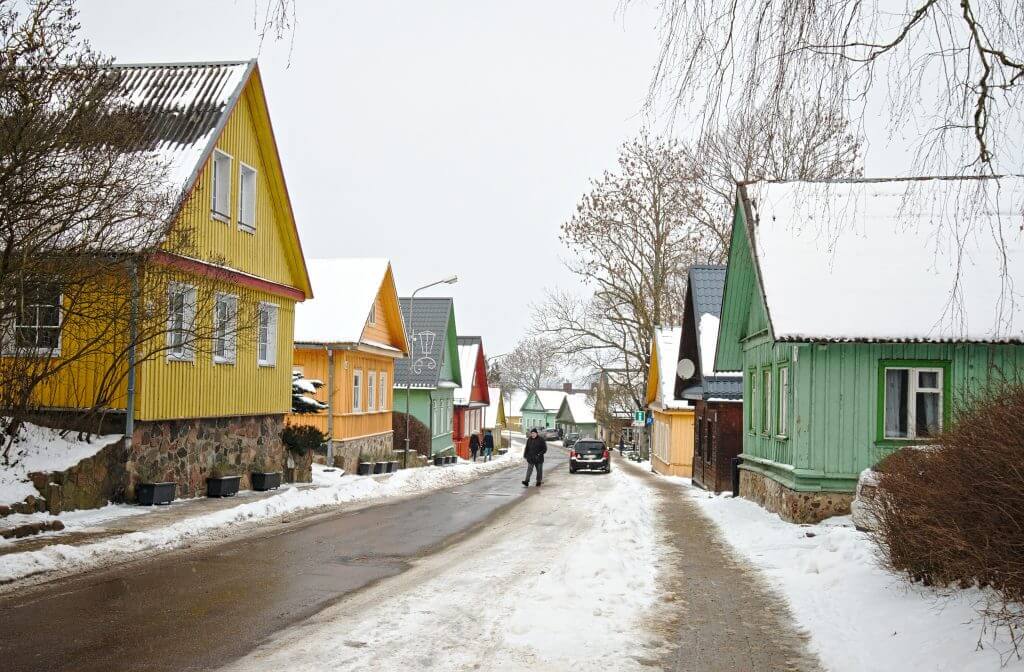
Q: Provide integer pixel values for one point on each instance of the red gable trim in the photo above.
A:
(480, 391)
(228, 275)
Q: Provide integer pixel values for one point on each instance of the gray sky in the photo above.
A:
(451, 136)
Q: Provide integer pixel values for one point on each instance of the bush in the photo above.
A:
(953, 513)
(419, 434)
(300, 439)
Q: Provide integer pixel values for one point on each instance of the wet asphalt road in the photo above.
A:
(201, 608)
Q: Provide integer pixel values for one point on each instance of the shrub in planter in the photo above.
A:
(153, 488)
(301, 439)
(222, 481)
(263, 479)
(950, 513)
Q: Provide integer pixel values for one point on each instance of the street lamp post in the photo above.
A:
(412, 347)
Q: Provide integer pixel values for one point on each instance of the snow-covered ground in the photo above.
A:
(565, 580)
(860, 617)
(43, 449)
(333, 491)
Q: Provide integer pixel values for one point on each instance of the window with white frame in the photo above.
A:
(372, 319)
(266, 335)
(783, 422)
(37, 319)
(246, 197)
(357, 390)
(225, 324)
(751, 408)
(913, 401)
(221, 200)
(384, 391)
(371, 390)
(181, 317)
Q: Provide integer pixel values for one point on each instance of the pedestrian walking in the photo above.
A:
(488, 445)
(534, 454)
(474, 446)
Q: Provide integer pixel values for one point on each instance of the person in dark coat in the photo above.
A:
(534, 455)
(474, 446)
(488, 445)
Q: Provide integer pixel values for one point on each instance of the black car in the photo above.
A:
(570, 439)
(590, 455)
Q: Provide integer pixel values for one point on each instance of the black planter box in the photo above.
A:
(379, 467)
(449, 459)
(266, 480)
(438, 461)
(149, 494)
(364, 468)
(392, 466)
(226, 486)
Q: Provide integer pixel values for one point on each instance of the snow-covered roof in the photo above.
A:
(551, 400)
(491, 412)
(468, 353)
(666, 339)
(346, 290)
(934, 259)
(580, 409)
(707, 331)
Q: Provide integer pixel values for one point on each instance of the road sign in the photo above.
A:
(639, 418)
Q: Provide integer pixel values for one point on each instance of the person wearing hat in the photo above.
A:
(534, 455)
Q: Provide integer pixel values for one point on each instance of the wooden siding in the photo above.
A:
(348, 424)
(265, 253)
(677, 427)
(200, 388)
(833, 402)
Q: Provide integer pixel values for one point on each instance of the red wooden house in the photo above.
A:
(472, 398)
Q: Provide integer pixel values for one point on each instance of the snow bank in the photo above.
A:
(66, 558)
(44, 449)
(860, 617)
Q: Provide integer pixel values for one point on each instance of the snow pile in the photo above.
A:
(44, 449)
(67, 558)
(859, 616)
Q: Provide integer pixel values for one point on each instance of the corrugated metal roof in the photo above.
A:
(429, 325)
(183, 106)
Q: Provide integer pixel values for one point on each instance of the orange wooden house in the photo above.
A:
(349, 338)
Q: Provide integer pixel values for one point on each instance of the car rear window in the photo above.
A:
(589, 445)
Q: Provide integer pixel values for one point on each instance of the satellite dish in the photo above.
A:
(685, 369)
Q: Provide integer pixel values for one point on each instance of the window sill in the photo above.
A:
(181, 358)
(782, 437)
(247, 228)
(223, 360)
(224, 219)
(266, 365)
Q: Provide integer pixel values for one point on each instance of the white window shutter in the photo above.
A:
(272, 337)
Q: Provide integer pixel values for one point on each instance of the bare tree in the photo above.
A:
(87, 230)
(951, 70)
(527, 367)
(632, 238)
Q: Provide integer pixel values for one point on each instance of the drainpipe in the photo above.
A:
(330, 406)
(133, 336)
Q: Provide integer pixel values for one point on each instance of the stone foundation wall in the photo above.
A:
(185, 451)
(793, 506)
(375, 448)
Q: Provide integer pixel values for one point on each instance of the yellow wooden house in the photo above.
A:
(217, 386)
(349, 338)
(671, 434)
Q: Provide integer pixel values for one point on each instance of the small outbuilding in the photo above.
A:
(672, 426)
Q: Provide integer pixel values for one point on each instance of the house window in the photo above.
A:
(371, 390)
(383, 391)
(752, 396)
(266, 338)
(180, 320)
(225, 322)
(766, 401)
(246, 198)
(38, 318)
(357, 390)
(783, 421)
(221, 202)
(372, 319)
(913, 401)
(700, 437)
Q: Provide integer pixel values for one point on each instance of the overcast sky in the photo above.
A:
(450, 136)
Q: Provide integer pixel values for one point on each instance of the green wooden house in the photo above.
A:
(858, 313)
(541, 408)
(576, 414)
(432, 371)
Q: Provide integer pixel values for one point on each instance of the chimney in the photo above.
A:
(567, 387)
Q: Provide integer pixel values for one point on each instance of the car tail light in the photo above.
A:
(606, 453)
(572, 453)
